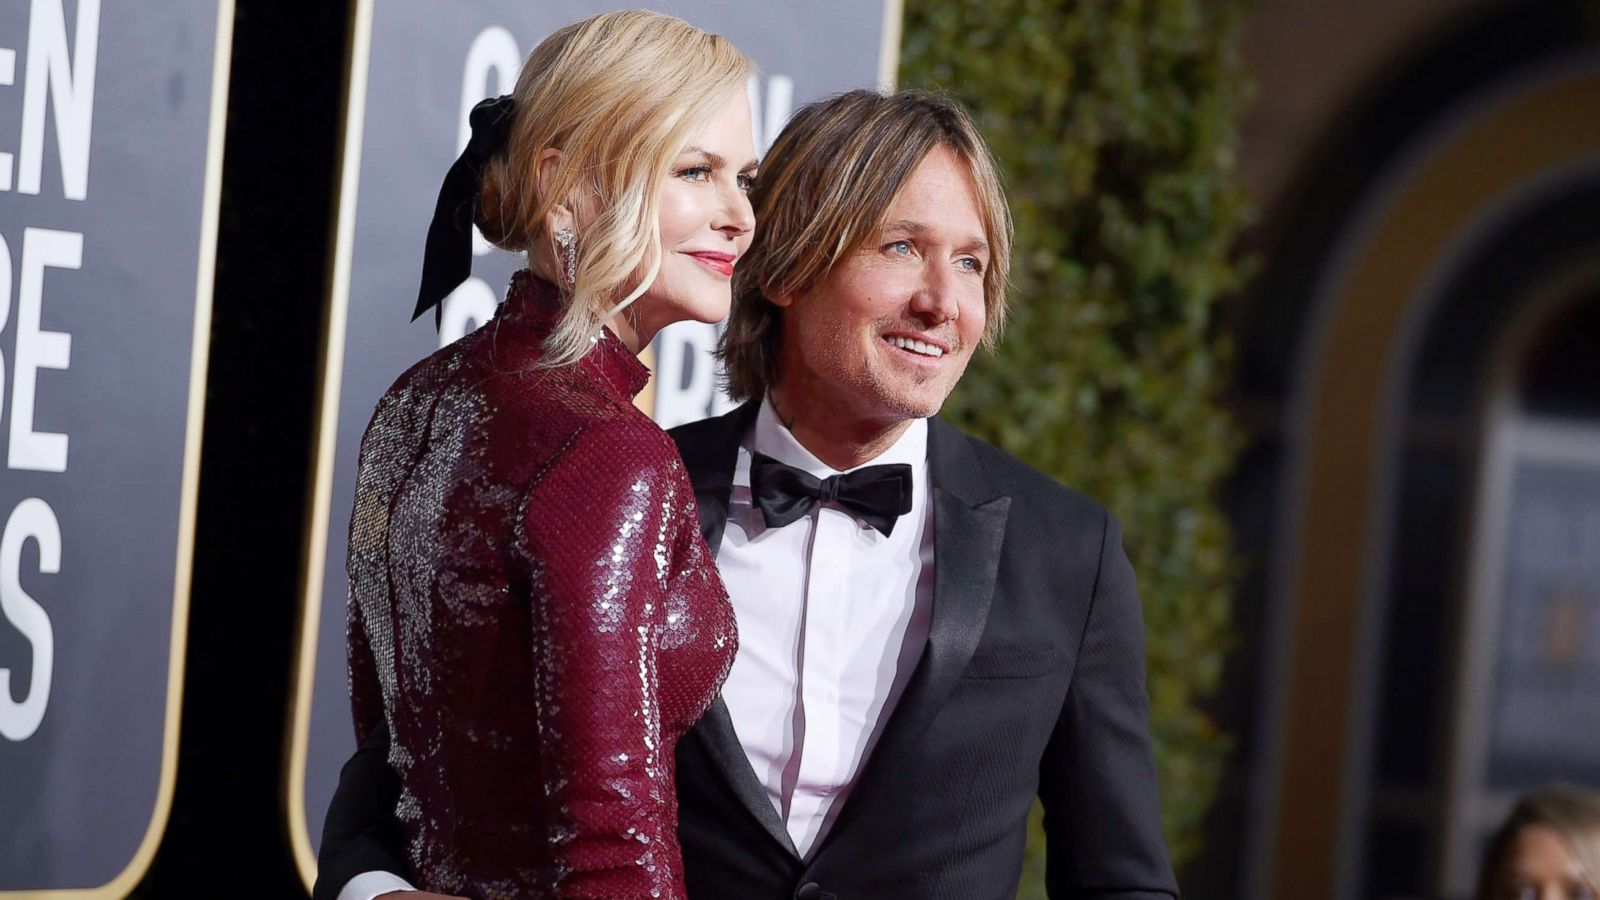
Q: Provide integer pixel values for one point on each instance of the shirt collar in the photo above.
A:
(771, 437)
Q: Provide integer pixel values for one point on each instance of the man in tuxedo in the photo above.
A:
(931, 633)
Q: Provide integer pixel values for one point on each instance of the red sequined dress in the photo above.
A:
(534, 613)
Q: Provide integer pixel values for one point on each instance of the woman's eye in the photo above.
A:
(695, 173)
(747, 182)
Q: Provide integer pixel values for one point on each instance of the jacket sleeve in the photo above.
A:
(360, 833)
(598, 532)
(1097, 782)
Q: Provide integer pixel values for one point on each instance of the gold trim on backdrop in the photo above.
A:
(316, 533)
(1544, 126)
(200, 344)
(889, 49)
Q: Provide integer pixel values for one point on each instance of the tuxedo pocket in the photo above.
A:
(1022, 662)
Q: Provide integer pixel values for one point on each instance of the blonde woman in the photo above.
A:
(534, 616)
(1547, 849)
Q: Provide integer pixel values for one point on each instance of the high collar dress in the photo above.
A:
(534, 613)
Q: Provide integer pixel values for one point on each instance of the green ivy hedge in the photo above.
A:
(1116, 122)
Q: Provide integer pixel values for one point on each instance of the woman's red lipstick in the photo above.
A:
(721, 263)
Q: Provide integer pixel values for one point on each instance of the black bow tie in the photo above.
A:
(877, 494)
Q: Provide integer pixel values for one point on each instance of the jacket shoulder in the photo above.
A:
(691, 434)
(731, 424)
(1038, 494)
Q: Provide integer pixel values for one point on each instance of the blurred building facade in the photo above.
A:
(1420, 506)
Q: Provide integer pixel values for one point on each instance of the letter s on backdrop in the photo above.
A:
(33, 518)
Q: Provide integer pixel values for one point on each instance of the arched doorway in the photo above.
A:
(1373, 388)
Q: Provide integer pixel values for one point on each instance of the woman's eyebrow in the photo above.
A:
(715, 159)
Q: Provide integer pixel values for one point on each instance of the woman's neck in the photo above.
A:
(634, 332)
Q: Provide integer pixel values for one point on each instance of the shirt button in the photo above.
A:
(808, 891)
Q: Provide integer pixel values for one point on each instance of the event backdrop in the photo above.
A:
(110, 152)
(416, 68)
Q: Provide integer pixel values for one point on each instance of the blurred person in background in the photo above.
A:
(1547, 849)
(535, 618)
(931, 633)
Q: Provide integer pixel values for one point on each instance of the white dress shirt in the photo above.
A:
(833, 618)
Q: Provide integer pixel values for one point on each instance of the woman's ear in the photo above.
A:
(544, 172)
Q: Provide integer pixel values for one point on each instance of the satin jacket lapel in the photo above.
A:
(710, 452)
(969, 521)
(715, 730)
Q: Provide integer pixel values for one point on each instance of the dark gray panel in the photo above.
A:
(80, 791)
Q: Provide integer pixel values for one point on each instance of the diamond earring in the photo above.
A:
(567, 247)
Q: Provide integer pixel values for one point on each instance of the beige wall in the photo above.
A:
(1311, 58)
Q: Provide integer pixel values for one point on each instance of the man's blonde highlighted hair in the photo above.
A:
(619, 94)
(825, 188)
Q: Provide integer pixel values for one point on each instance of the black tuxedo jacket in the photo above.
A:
(1032, 684)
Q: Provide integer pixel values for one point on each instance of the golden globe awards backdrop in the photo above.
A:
(110, 164)
(416, 68)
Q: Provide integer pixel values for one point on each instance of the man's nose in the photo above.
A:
(935, 300)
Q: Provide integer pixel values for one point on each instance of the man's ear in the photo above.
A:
(781, 299)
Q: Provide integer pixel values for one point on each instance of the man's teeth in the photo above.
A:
(916, 346)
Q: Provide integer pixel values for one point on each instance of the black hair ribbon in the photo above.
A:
(447, 259)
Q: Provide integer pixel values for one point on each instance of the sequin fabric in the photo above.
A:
(534, 613)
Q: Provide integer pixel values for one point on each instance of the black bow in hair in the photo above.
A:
(447, 260)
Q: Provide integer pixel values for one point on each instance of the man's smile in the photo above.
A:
(922, 350)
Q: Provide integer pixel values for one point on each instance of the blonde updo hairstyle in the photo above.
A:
(619, 94)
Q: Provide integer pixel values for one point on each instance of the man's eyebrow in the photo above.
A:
(911, 226)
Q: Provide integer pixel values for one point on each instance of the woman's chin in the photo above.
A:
(677, 298)
(713, 317)
(709, 308)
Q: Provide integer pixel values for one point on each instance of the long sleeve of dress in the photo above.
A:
(600, 532)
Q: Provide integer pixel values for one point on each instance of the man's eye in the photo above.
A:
(971, 264)
(899, 248)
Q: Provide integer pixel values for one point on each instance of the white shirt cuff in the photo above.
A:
(368, 885)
